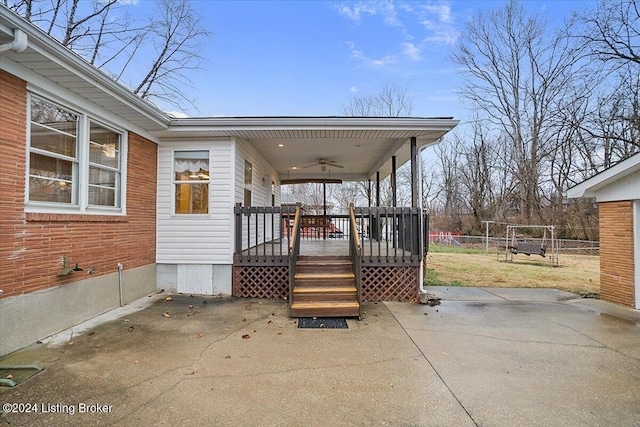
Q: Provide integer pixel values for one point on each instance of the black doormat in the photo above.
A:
(322, 323)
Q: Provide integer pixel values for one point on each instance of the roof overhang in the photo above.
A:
(591, 186)
(295, 145)
(44, 56)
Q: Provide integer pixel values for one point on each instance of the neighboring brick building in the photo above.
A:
(617, 191)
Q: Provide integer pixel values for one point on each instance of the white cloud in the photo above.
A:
(384, 8)
(444, 36)
(353, 12)
(441, 10)
(353, 89)
(373, 62)
(412, 51)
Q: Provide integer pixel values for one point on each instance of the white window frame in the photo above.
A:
(174, 182)
(80, 201)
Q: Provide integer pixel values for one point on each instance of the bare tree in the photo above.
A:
(177, 32)
(613, 30)
(392, 101)
(109, 37)
(515, 73)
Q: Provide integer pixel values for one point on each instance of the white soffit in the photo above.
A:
(292, 145)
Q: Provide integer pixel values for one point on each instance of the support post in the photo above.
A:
(324, 208)
(378, 189)
(394, 181)
(369, 194)
(415, 199)
(238, 233)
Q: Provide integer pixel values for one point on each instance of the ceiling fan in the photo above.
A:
(324, 163)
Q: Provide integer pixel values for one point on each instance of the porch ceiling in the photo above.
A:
(294, 145)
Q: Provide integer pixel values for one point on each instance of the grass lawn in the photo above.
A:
(461, 267)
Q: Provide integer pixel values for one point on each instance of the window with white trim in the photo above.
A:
(75, 162)
(191, 182)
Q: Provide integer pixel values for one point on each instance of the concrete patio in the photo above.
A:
(493, 357)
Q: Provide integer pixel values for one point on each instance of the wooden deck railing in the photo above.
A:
(387, 235)
(355, 252)
(293, 252)
(260, 233)
(392, 235)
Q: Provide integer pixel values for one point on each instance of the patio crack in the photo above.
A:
(602, 345)
(435, 370)
(512, 339)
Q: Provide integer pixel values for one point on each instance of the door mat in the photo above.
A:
(322, 323)
(11, 376)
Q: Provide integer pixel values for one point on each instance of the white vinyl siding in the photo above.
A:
(209, 239)
(263, 174)
(196, 239)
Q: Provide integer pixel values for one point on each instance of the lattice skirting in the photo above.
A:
(390, 283)
(261, 282)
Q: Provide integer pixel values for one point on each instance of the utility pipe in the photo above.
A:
(120, 283)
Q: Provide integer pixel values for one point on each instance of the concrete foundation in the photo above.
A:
(27, 318)
(197, 279)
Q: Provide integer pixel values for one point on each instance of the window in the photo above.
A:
(53, 156)
(248, 182)
(191, 181)
(104, 166)
(74, 161)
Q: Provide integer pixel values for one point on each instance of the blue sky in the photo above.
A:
(306, 58)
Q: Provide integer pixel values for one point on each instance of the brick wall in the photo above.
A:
(32, 245)
(617, 253)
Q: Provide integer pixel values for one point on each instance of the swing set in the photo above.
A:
(516, 244)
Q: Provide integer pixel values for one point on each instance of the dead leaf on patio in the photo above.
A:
(91, 333)
(9, 377)
(244, 320)
(199, 335)
(273, 314)
(279, 333)
(71, 343)
(269, 321)
(190, 306)
(166, 314)
(127, 320)
(168, 299)
(246, 336)
(227, 357)
(131, 328)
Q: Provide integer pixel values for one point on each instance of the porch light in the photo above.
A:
(294, 168)
(280, 145)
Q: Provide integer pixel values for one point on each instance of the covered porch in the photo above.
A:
(327, 265)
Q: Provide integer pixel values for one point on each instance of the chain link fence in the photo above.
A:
(565, 246)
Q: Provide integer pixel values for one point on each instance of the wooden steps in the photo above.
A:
(324, 287)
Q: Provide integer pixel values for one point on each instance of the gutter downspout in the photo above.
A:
(19, 43)
(419, 196)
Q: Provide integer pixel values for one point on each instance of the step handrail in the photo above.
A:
(294, 251)
(355, 251)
